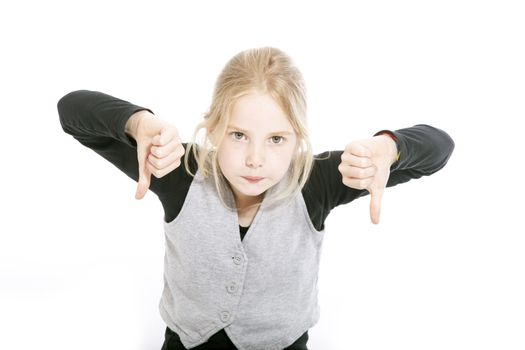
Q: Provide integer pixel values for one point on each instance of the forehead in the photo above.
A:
(259, 113)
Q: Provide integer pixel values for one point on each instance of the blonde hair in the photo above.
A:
(264, 70)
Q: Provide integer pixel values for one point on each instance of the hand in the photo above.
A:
(159, 148)
(365, 164)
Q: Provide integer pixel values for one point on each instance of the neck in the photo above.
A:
(242, 204)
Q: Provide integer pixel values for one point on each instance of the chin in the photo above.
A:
(251, 190)
(252, 193)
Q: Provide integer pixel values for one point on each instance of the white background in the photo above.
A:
(81, 260)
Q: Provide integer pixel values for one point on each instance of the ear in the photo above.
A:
(213, 138)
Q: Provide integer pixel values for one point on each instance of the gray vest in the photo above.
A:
(261, 290)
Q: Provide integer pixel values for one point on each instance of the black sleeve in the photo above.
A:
(97, 121)
(422, 149)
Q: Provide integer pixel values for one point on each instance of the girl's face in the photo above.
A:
(259, 142)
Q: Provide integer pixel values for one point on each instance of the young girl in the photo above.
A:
(244, 209)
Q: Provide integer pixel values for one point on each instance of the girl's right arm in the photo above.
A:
(127, 135)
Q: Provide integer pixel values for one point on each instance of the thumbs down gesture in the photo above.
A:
(365, 164)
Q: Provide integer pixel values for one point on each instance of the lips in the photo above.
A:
(253, 178)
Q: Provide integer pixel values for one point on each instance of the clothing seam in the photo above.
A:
(307, 215)
(184, 205)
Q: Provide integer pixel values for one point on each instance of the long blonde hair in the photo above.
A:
(265, 70)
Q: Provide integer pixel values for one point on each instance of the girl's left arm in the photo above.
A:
(422, 151)
(384, 161)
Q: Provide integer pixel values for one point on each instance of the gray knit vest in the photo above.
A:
(261, 290)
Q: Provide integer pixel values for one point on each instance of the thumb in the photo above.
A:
(376, 196)
(144, 175)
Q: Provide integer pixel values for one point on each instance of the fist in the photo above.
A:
(365, 165)
(159, 151)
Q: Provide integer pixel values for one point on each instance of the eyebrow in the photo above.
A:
(272, 133)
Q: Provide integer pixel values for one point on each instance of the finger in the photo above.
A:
(376, 197)
(143, 184)
(357, 161)
(170, 147)
(160, 173)
(357, 173)
(166, 134)
(359, 184)
(358, 149)
(144, 176)
(175, 154)
(159, 164)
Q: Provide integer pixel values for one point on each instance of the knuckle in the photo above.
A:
(355, 184)
(152, 161)
(158, 164)
(349, 146)
(179, 151)
(160, 173)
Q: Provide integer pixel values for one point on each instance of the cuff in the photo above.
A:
(122, 136)
(398, 146)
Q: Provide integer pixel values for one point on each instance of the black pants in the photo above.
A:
(219, 341)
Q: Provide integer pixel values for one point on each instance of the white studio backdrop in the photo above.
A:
(81, 260)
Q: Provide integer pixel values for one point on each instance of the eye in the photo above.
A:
(278, 138)
(235, 133)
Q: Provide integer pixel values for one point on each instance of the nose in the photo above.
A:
(255, 157)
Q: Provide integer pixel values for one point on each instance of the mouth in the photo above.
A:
(253, 179)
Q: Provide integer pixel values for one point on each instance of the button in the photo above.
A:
(231, 288)
(237, 260)
(225, 316)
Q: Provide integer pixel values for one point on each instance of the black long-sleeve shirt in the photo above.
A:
(97, 121)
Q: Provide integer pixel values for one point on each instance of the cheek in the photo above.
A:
(227, 156)
(281, 159)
